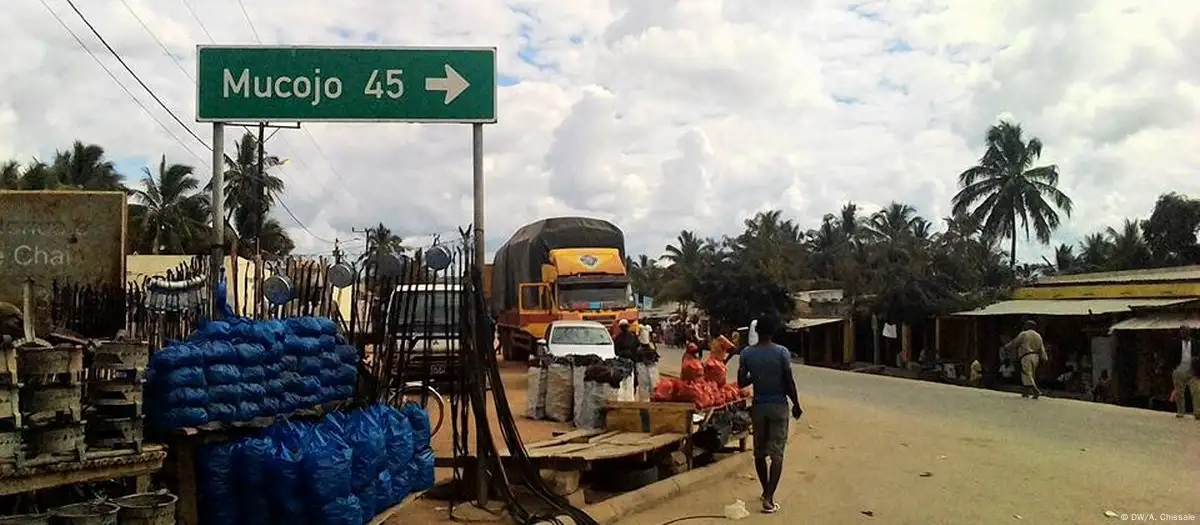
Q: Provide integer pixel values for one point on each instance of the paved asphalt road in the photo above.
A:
(875, 449)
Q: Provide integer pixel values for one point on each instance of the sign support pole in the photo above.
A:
(482, 483)
(218, 215)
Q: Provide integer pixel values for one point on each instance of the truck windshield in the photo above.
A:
(425, 308)
(593, 297)
(579, 335)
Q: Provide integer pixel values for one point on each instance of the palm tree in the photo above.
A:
(274, 239)
(243, 202)
(1005, 188)
(173, 214)
(10, 175)
(381, 240)
(1129, 250)
(1094, 252)
(897, 222)
(1065, 260)
(687, 258)
(84, 167)
(38, 176)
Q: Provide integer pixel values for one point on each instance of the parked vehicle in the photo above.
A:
(425, 319)
(565, 338)
(568, 268)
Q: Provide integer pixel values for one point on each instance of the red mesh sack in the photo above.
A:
(715, 371)
(695, 392)
(665, 390)
(715, 396)
(731, 393)
(691, 370)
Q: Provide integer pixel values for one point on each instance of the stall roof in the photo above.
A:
(1177, 273)
(1069, 307)
(1159, 321)
(801, 323)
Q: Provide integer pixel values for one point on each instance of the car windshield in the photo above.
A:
(594, 297)
(425, 308)
(579, 335)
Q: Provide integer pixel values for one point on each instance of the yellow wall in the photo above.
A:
(1111, 291)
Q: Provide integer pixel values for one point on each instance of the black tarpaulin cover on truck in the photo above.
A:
(520, 259)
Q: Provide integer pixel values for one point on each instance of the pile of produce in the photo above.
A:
(238, 370)
(704, 384)
(340, 470)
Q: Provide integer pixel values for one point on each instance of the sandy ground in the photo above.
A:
(874, 449)
(515, 388)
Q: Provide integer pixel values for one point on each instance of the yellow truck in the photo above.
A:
(567, 268)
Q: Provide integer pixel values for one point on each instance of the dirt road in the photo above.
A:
(874, 449)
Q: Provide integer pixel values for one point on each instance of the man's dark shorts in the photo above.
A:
(770, 429)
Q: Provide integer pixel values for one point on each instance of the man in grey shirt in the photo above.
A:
(768, 368)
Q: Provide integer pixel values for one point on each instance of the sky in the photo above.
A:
(659, 115)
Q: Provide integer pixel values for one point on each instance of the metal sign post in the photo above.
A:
(347, 84)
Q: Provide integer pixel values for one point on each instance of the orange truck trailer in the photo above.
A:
(558, 269)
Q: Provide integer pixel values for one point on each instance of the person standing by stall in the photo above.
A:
(1030, 352)
(1184, 376)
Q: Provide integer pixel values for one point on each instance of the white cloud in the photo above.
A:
(663, 115)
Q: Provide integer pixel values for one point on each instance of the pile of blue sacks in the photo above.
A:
(341, 470)
(238, 369)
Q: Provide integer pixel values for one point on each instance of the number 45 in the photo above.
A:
(391, 78)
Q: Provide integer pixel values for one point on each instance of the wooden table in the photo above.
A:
(96, 466)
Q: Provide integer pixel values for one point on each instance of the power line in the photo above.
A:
(246, 14)
(135, 76)
(159, 41)
(119, 84)
(198, 21)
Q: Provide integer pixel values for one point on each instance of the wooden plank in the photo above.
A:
(649, 405)
(650, 420)
(27, 479)
(568, 437)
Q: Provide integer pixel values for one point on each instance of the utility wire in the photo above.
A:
(164, 47)
(246, 14)
(117, 55)
(119, 84)
(198, 21)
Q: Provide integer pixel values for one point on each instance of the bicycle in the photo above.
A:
(427, 398)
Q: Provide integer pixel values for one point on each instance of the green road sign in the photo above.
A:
(345, 84)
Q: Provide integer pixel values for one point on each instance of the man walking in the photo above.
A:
(1184, 376)
(1030, 352)
(767, 367)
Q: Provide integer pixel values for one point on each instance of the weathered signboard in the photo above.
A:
(65, 236)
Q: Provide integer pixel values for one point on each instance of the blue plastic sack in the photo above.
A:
(253, 392)
(244, 331)
(177, 355)
(330, 360)
(272, 371)
(229, 394)
(213, 330)
(343, 392)
(419, 419)
(184, 417)
(399, 434)
(342, 511)
(274, 329)
(327, 461)
(188, 376)
(384, 492)
(421, 473)
(310, 366)
(289, 363)
(366, 497)
(270, 406)
(347, 354)
(298, 346)
(247, 410)
(328, 394)
(222, 374)
(310, 386)
(310, 401)
(183, 397)
(366, 439)
(327, 326)
(305, 326)
(254, 374)
(327, 342)
(223, 412)
(251, 457)
(216, 478)
(250, 353)
(284, 473)
(347, 375)
(329, 378)
(275, 387)
(290, 402)
(218, 353)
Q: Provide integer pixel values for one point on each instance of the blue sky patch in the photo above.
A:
(898, 46)
(843, 100)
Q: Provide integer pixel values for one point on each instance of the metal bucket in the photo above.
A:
(25, 519)
(100, 513)
(147, 508)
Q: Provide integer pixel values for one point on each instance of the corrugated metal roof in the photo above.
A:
(1068, 307)
(801, 323)
(1178, 273)
(1160, 321)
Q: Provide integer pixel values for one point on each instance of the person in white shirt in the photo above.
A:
(1184, 376)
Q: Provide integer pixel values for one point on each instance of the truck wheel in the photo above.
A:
(519, 355)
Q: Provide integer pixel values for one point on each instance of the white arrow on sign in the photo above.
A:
(453, 84)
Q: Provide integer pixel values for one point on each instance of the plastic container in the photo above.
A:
(147, 508)
(102, 513)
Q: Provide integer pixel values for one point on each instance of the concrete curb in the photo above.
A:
(613, 509)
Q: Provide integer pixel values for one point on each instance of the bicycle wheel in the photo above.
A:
(428, 399)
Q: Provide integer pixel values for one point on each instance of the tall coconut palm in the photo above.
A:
(687, 258)
(1129, 249)
(895, 223)
(1005, 189)
(38, 176)
(243, 202)
(1065, 261)
(10, 175)
(1094, 252)
(84, 167)
(173, 214)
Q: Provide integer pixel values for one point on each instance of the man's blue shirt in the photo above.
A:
(769, 369)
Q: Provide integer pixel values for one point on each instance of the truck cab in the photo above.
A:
(425, 319)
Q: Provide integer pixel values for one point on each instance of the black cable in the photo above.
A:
(117, 55)
(246, 14)
(118, 82)
(198, 21)
(164, 47)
